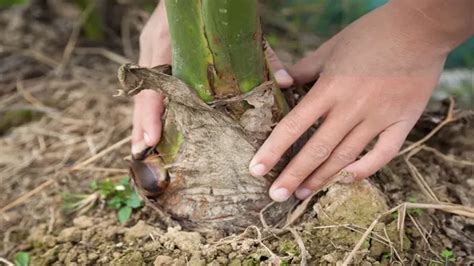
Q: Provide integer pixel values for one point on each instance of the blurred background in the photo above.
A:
(293, 27)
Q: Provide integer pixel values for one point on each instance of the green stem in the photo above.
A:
(217, 48)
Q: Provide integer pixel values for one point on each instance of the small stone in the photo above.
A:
(235, 262)
(179, 262)
(196, 260)
(130, 258)
(152, 246)
(226, 249)
(163, 261)
(71, 234)
(49, 241)
(83, 222)
(92, 256)
(139, 230)
(222, 260)
(36, 235)
(186, 241)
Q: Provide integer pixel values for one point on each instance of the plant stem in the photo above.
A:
(217, 48)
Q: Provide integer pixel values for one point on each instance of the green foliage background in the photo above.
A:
(323, 17)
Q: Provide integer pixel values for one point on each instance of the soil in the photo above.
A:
(66, 91)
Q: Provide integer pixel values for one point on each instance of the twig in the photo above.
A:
(114, 57)
(452, 208)
(125, 30)
(36, 55)
(418, 227)
(449, 118)
(262, 216)
(71, 44)
(447, 157)
(361, 241)
(103, 169)
(101, 154)
(299, 241)
(26, 196)
(7, 262)
(418, 177)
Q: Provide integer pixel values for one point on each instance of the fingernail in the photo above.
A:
(346, 176)
(283, 78)
(146, 138)
(138, 148)
(303, 193)
(279, 194)
(258, 170)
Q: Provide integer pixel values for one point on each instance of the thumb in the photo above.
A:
(282, 77)
(309, 68)
(146, 132)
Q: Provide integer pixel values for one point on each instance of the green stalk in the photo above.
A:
(217, 48)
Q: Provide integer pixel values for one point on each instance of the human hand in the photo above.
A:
(155, 49)
(374, 79)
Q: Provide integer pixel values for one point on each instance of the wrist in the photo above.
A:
(442, 24)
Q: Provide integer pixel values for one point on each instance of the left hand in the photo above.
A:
(374, 79)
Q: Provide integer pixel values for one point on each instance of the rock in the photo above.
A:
(163, 261)
(196, 260)
(36, 235)
(83, 222)
(131, 258)
(139, 230)
(235, 262)
(152, 246)
(357, 203)
(185, 241)
(70, 234)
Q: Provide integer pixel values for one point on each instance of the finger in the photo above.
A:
(309, 68)
(146, 132)
(313, 154)
(282, 77)
(345, 153)
(146, 55)
(386, 148)
(289, 129)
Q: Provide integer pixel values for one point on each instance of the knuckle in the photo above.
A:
(290, 125)
(295, 175)
(318, 152)
(345, 155)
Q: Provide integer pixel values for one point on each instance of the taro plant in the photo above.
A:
(221, 105)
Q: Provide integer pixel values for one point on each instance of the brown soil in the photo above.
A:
(72, 117)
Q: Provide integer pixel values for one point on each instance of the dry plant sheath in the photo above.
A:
(221, 105)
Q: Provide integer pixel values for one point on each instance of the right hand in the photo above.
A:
(155, 49)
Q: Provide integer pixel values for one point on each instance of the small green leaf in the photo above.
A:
(124, 214)
(107, 187)
(134, 201)
(125, 181)
(411, 199)
(394, 215)
(22, 259)
(447, 254)
(93, 185)
(115, 202)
